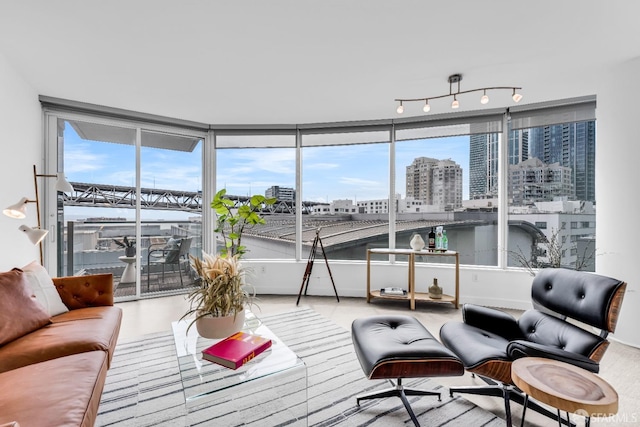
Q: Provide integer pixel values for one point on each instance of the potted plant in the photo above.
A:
(219, 300)
(128, 245)
(234, 216)
(221, 294)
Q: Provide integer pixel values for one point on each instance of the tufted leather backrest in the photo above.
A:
(586, 297)
(93, 290)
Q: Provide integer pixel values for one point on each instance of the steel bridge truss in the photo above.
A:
(113, 196)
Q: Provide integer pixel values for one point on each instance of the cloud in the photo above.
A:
(255, 162)
(320, 166)
(361, 182)
(78, 158)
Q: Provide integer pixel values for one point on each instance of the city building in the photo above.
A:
(483, 166)
(377, 206)
(568, 227)
(283, 194)
(533, 181)
(572, 145)
(435, 182)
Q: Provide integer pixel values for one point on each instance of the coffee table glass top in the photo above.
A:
(202, 378)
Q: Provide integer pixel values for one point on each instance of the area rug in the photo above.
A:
(143, 386)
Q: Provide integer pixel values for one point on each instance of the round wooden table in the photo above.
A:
(565, 387)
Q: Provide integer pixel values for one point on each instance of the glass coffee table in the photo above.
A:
(268, 390)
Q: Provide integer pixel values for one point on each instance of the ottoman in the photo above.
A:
(393, 347)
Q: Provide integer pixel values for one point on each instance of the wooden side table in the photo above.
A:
(414, 296)
(565, 387)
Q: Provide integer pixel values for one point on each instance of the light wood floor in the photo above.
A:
(620, 365)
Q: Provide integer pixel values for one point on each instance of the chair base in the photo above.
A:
(510, 394)
(398, 390)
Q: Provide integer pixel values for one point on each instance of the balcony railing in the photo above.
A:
(92, 247)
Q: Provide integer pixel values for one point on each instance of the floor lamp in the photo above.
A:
(19, 210)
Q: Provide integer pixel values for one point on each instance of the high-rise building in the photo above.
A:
(435, 182)
(483, 166)
(483, 161)
(572, 145)
(283, 194)
(533, 181)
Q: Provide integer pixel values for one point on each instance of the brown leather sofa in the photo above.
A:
(54, 375)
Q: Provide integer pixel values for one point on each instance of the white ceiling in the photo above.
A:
(302, 61)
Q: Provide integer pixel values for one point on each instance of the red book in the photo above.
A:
(236, 350)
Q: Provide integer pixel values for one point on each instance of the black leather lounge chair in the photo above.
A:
(488, 340)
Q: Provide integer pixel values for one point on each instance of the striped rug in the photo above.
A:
(143, 387)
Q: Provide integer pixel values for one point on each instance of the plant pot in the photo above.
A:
(130, 251)
(220, 327)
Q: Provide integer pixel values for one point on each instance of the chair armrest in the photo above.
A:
(492, 320)
(93, 290)
(520, 348)
(157, 253)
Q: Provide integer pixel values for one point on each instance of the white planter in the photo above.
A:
(220, 327)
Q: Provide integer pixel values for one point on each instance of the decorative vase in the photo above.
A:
(435, 291)
(220, 327)
(417, 242)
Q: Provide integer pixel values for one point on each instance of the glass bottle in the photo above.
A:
(432, 239)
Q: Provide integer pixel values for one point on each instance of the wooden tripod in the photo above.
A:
(307, 271)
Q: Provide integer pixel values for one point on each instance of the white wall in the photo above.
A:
(478, 285)
(21, 145)
(618, 151)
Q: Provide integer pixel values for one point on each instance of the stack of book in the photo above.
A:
(236, 350)
(394, 292)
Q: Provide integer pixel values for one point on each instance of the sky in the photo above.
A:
(356, 172)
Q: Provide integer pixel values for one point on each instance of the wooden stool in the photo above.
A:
(565, 387)
(394, 347)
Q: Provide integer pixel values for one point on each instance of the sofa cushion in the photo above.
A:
(20, 313)
(77, 331)
(59, 392)
(43, 288)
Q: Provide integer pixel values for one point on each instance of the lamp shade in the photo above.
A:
(18, 210)
(35, 235)
(62, 184)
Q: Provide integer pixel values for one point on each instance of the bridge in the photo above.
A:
(114, 196)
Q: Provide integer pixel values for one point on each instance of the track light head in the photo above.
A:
(426, 107)
(516, 96)
(400, 108)
(455, 104)
(485, 98)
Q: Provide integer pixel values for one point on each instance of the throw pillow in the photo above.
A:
(172, 244)
(20, 313)
(44, 289)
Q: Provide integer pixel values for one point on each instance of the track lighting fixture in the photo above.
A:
(453, 79)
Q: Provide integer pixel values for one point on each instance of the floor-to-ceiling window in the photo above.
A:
(551, 188)
(442, 180)
(261, 162)
(360, 185)
(345, 183)
(136, 207)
